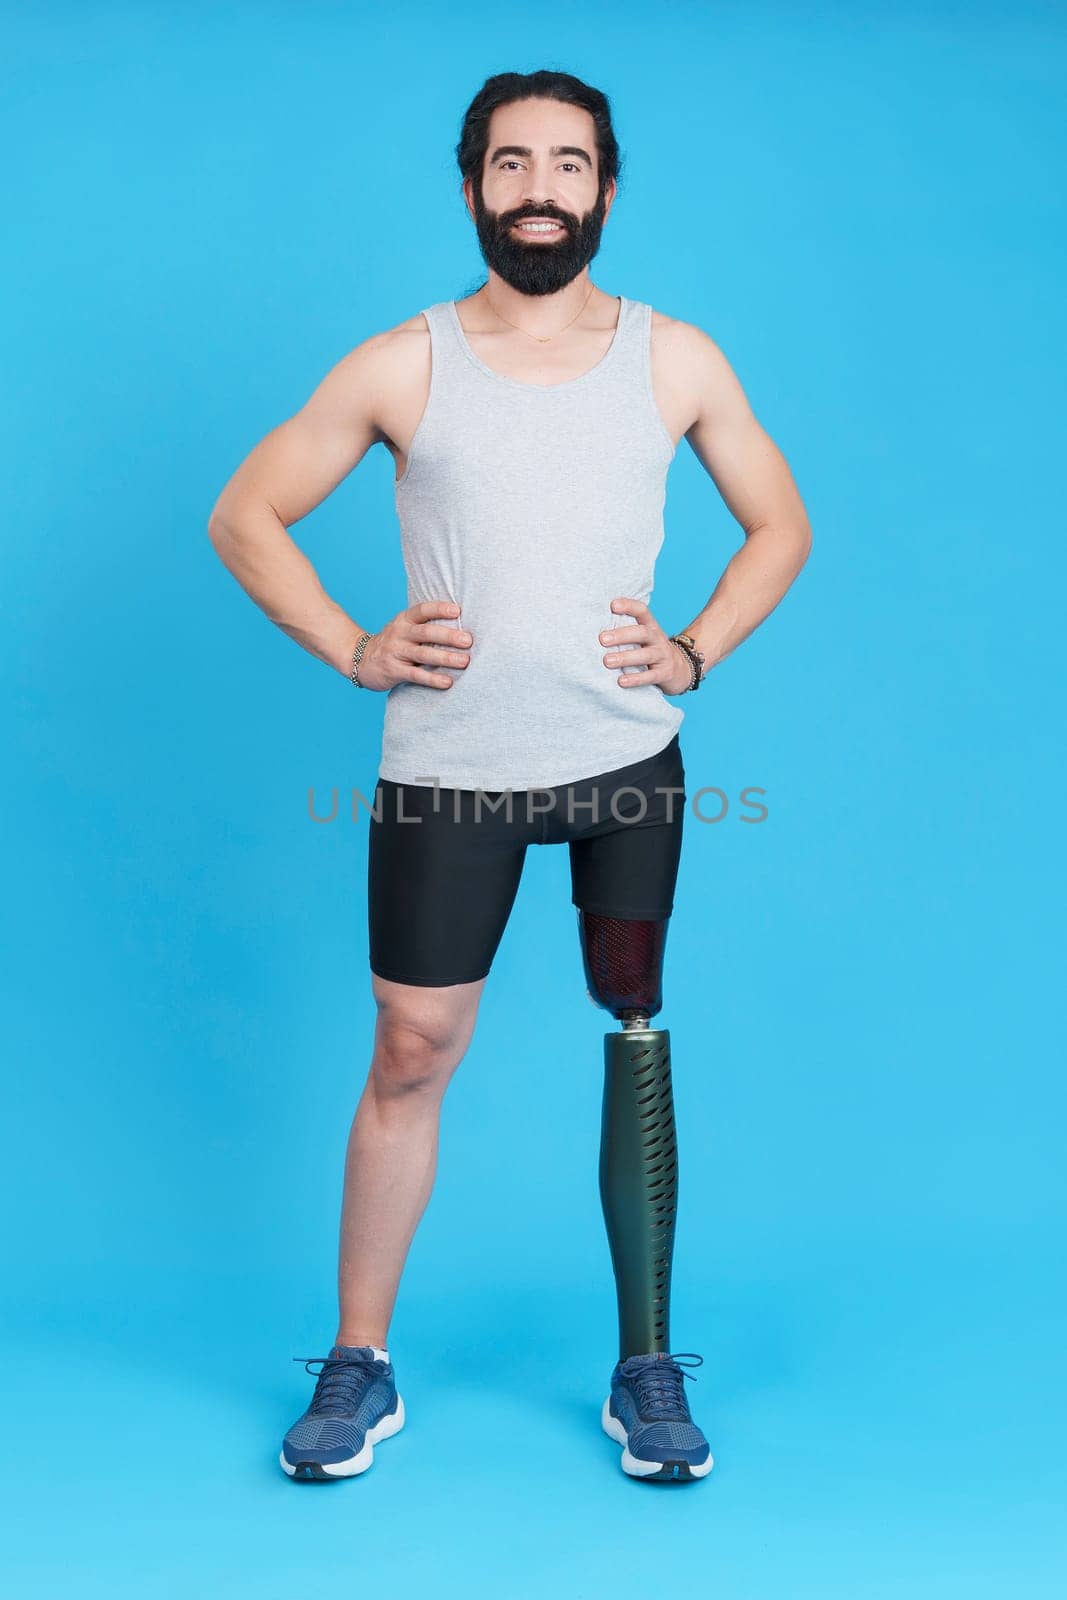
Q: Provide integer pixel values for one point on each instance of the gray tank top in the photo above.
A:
(531, 507)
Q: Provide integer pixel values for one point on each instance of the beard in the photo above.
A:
(537, 266)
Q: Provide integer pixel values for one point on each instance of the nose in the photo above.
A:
(537, 190)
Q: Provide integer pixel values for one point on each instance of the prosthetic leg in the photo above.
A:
(638, 1158)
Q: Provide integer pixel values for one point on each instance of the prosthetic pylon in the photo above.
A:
(638, 1149)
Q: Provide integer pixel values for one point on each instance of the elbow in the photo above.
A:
(803, 543)
(216, 528)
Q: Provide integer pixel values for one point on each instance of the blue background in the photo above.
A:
(206, 208)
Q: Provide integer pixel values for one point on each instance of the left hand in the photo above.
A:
(666, 664)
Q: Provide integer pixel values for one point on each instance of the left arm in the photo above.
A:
(757, 486)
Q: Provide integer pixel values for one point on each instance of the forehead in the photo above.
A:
(541, 124)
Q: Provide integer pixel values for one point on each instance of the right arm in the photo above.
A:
(289, 473)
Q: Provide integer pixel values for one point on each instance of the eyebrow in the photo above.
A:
(525, 151)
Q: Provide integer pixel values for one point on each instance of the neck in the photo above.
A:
(539, 314)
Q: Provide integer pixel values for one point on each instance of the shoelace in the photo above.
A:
(341, 1381)
(660, 1389)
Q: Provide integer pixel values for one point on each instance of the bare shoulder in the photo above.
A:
(390, 344)
(404, 338)
(685, 340)
(719, 424)
(694, 365)
(383, 368)
(405, 356)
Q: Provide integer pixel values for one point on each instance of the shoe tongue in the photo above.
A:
(339, 1351)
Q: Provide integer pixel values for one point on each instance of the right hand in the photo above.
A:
(393, 655)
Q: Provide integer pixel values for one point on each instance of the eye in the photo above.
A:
(511, 162)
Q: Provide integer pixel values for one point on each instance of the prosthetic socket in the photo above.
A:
(638, 1154)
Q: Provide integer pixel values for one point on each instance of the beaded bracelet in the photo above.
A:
(687, 644)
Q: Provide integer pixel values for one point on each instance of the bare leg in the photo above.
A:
(421, 1035)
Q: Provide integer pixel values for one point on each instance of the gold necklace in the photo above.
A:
(541, 338)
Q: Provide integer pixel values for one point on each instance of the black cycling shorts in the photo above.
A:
(440, 889)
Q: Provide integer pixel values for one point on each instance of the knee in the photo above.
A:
(414, 1054)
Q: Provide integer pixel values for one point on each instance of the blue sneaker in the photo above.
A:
(355, 1405)
(648, 1414)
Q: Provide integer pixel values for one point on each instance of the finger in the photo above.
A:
(431, 655)
(653, 675)
(433, 680)
(425, 610)
(632, 607)
(437, 656)
(626, 658)
(639, 633)
(656, 674)
(439, 633)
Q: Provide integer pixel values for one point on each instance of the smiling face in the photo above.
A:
(540, 164)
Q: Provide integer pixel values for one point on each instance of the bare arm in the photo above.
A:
(286, 476)
(755, 482)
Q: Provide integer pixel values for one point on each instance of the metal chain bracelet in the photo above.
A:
(357, 657)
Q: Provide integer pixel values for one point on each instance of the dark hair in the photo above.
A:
(506, 87)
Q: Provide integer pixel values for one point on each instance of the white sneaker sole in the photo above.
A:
(677, 1470)
(359, 1463)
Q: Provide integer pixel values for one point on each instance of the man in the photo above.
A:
(532, 425)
